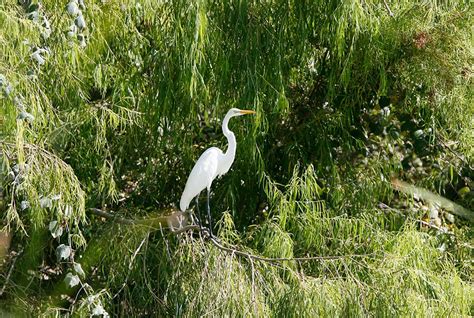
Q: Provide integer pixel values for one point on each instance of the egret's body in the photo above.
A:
(213, 163)
(206, 169)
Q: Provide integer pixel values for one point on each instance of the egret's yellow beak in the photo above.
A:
(247, 112)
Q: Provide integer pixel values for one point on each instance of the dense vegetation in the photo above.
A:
(107, 104)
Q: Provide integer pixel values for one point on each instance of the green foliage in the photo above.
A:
(109, 105)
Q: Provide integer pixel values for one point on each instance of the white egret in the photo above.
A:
(212, 163)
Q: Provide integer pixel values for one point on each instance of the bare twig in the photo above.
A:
(136, 252)
(253, 287)
(283, 259)
(132, 259)
(390, 13)
(10, 271)
(168, 253)
(441, 230)
(146, 278)
(168, 222)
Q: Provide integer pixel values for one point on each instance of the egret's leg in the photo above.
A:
(199, 212)
(209, 211)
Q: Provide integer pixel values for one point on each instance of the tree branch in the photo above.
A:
(193, 227)
(283, 259)
(107, 215)
(177, 222)
(10, 271)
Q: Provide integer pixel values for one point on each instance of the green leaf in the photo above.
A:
(63, 252)
(78, 269)
(72, 280)
(55, 228)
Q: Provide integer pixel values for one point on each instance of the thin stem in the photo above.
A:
(390, 13)
(7, 279)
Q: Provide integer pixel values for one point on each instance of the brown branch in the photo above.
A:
(192, 227)
(283, 259)
(107, 215)
(441, 230)
(218, 244)
(10, 271)
(173, 222)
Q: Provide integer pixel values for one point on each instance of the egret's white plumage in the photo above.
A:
(204, 172)
(212, 163)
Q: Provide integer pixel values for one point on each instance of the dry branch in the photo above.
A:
(10, 271)
(284, 259)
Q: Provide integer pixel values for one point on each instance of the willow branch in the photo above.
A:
(219, 245)
(283, 259)
(47, 154)
(107, 215)
(167, 222)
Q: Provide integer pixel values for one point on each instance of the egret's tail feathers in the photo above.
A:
(184, 202)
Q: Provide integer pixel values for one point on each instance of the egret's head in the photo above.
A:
(239, 112)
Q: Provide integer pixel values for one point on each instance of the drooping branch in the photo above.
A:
(177, 222)
(168, 221)
(32, 148)
(216, 243)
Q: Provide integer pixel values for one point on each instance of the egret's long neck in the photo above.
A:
(230, 153)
